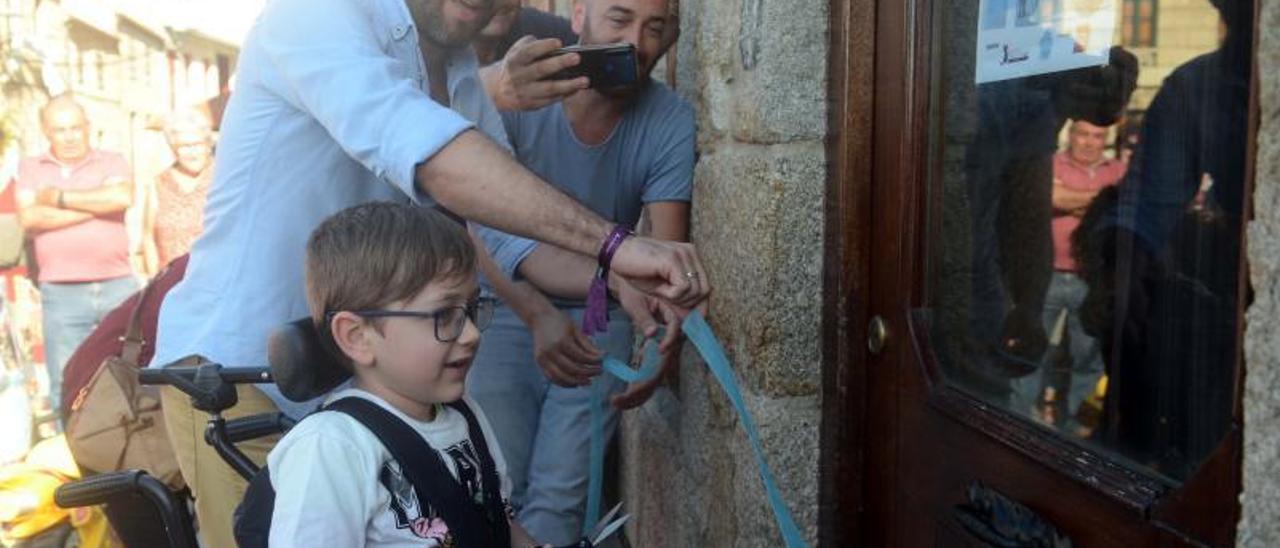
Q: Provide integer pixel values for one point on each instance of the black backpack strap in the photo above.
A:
(252, 518)
(422, 466)
(494, 508)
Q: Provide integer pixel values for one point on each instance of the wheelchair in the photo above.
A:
(299, 366)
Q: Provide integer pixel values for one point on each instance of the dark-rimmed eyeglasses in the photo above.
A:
(449, 321)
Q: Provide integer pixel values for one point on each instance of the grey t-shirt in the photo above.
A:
(648, 158)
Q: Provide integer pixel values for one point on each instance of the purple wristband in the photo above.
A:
(611, 244)
(595, 319)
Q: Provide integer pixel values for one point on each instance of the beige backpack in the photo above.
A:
(115, 423)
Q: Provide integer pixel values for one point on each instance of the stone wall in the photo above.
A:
(755, 71)
(1260, 523)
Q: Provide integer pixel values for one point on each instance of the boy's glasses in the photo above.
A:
(449, 321)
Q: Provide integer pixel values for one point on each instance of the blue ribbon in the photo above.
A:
(648, 368)
(699, 333)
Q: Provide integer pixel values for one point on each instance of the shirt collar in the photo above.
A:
(1103, 162)
(48, 158)
(402, 22)
(463, 62)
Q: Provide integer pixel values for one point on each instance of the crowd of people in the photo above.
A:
(71, 201)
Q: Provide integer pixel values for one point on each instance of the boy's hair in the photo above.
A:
(370, 255)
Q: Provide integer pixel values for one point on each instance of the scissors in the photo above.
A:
(607, 527)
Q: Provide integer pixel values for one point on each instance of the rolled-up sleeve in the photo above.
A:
(507, 250)
(327, 57)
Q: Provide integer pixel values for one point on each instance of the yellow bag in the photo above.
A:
(26, 498)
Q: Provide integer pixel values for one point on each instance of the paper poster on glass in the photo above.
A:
(1018, 38)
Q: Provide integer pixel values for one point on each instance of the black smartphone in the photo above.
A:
(607, 66)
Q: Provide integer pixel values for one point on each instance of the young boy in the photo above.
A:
(392, 289)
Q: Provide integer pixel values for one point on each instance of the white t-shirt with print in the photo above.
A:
(337, 485)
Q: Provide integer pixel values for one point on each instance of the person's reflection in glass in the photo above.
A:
(1079, 173)
(1009, 177)
(1163, 301)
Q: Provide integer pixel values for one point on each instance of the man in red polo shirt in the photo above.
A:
(1079, 173)
(72, 201)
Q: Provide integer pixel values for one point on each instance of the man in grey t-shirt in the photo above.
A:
(621, 153)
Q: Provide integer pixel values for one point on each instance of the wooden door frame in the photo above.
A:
(843, 430)
(851, 499)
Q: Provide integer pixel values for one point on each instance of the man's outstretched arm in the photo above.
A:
(476, 179)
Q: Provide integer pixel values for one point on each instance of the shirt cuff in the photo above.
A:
(672, 197)
(415, 138)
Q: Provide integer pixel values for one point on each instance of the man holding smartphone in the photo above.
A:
(520, 50)
(511, 22)
(621, 152)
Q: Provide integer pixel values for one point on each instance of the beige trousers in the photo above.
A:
(216, 487)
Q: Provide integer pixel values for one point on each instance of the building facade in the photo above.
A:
(128, 62)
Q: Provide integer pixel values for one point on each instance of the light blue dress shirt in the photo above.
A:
(331, 110)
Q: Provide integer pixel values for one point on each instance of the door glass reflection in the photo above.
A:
(1086, 213)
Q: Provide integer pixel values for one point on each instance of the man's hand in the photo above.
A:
(566, 356)
(36, 217)
(668, 270)
(642, 309)
(115, 195)
(635, 303)
(47, 196)
(519, 81)
(645, 311)
(638, 393)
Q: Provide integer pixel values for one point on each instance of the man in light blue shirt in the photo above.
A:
(620, 153)
(342, 102)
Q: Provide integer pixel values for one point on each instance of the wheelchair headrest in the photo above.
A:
(301, 365)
